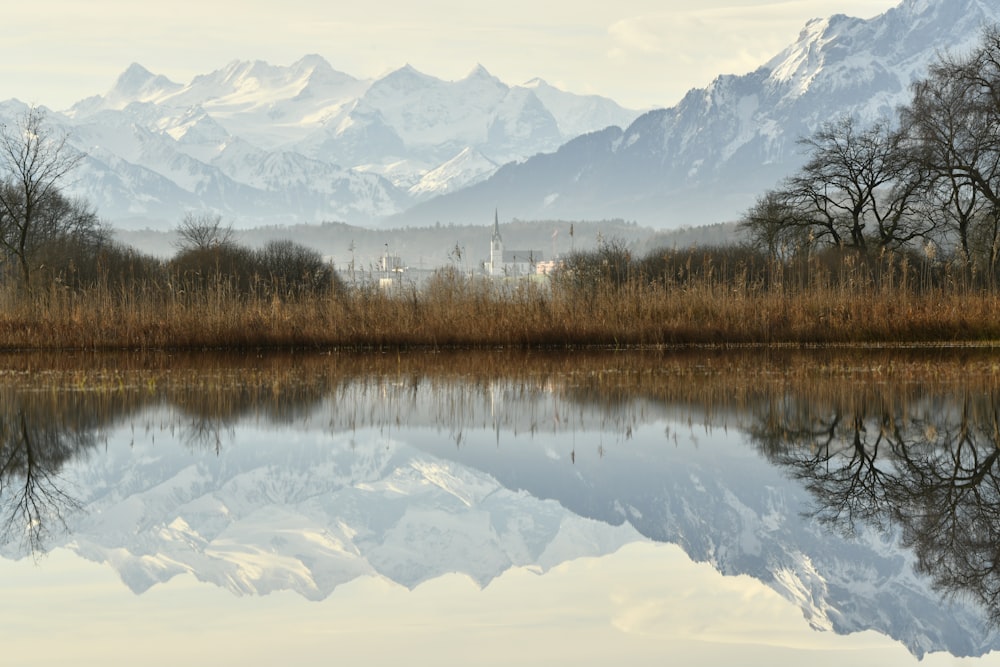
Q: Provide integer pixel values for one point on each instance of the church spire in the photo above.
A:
(496, 247)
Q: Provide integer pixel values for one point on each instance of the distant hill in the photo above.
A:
(455, 245)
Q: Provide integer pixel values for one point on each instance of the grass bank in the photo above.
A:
(469, 312)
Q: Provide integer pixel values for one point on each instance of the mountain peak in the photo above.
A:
(479, 72)
(135, 70)
(405, 79)
(133, 78)
(315, 70)
(138, 84)
(311, 60)
(407, 70)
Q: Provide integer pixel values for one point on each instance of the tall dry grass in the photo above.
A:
(684, 299)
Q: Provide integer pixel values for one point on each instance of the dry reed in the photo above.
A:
(711, 307)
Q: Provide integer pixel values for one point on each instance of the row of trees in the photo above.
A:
(208, 256)
(932, 179)
(46, 236)
(35, 217)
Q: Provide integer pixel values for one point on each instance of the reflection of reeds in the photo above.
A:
(69, 399)
(283, 387)
(458, 311)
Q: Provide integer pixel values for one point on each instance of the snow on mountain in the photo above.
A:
(313, 514)
(267, 105)
(130, 194)
(521, 119)
(426, 111)
(393, 144)
(135, 84)
(359, 136)
(410, 118)
(579, 114)
(325, 145)
(270, 105)
(706, 159)
(469, 166)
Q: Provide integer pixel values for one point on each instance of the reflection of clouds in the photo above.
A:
(666, 597)
(569, 616)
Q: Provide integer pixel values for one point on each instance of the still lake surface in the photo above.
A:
(708, 507)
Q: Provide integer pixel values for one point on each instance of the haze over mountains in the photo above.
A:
(305, 143)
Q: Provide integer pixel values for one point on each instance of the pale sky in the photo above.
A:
(642, 53)
(647, 604)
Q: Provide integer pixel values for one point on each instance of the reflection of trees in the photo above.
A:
(48, 419)
(39, 433)
(932, 471)
(209, 412)
(955, 523)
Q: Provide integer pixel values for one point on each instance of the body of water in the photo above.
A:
(489, 508)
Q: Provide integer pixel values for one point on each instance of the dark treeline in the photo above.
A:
(927, 184)
(206, 257)
(49, 239)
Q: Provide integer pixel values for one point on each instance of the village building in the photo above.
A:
(509, 263)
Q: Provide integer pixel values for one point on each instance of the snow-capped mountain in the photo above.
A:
(706, 159)
(261, 143)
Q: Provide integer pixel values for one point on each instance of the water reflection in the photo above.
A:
(926, 466)
(856, 486)
(40, 432)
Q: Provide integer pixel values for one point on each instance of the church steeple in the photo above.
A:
(496, 247)
(496, 226)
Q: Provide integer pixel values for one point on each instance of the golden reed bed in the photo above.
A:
(466, 313)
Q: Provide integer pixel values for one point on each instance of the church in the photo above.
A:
(509, 263)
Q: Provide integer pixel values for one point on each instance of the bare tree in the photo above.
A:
(774, 226)
(203, 231)
(34, 161)
(953, 120)
(858, 186)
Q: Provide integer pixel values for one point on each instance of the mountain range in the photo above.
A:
(266, 144)
(706, 159)
(305, 143)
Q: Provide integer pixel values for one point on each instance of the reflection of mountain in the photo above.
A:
(309, 511)
(725, 505)
(410, 476)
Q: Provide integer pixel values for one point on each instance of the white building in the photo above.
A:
(510, 263)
